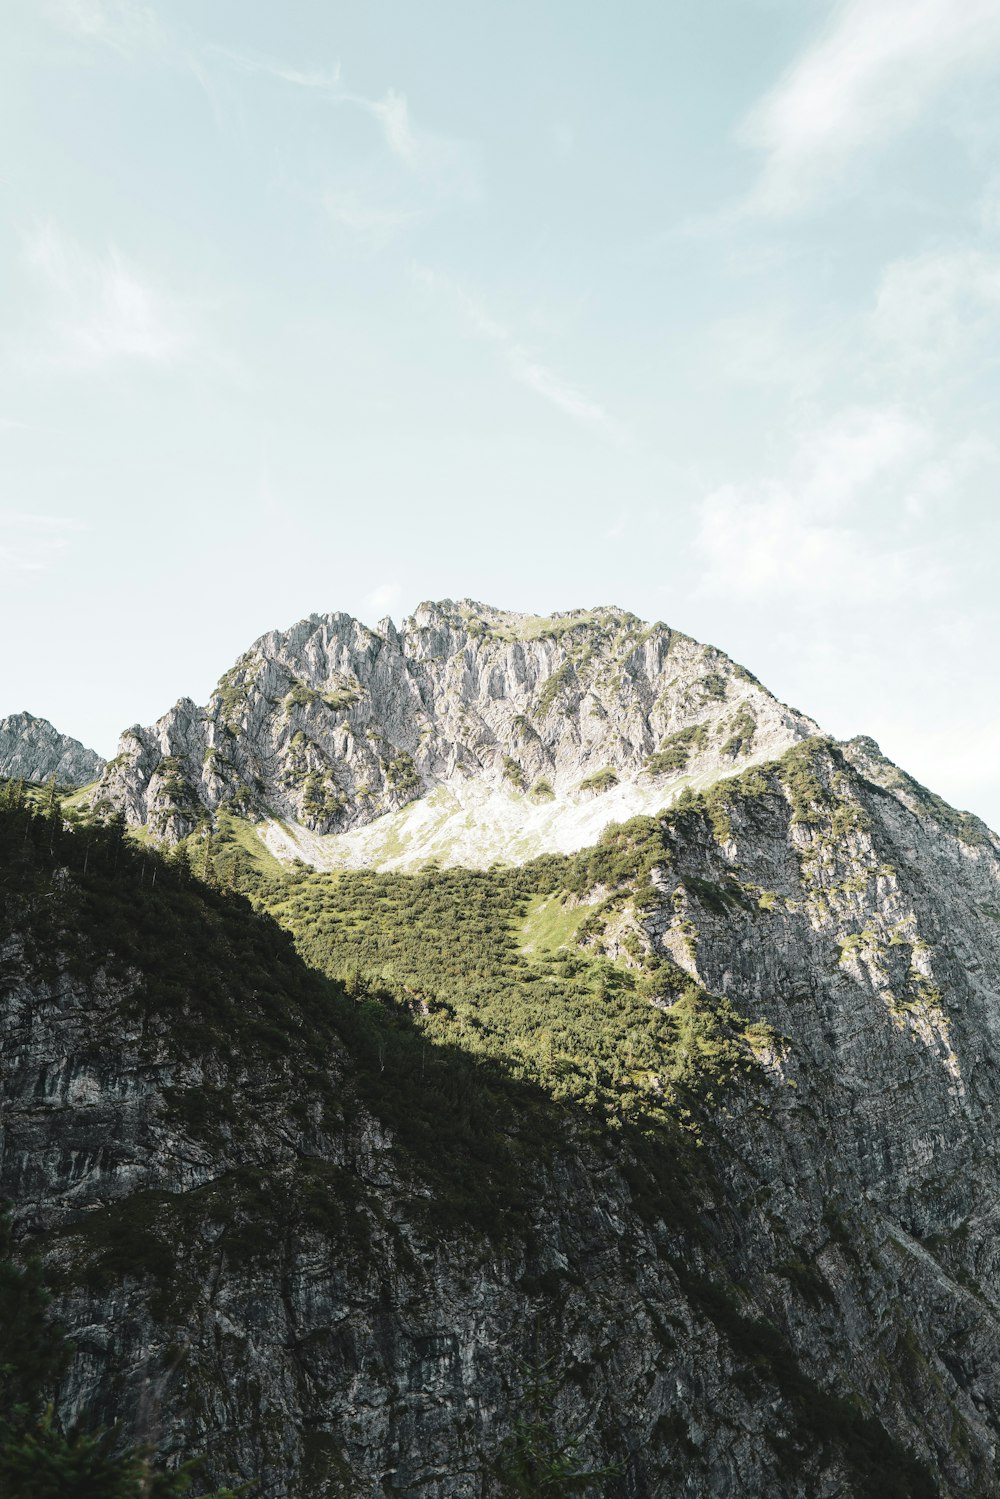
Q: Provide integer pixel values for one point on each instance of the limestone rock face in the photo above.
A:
(32, 750)
(827, 1283)
(329, 726)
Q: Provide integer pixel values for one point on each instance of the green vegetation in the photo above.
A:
(553, 687)
(595, 622)
(485, 961)
(797, 771)
(552, 922)
(542, 791)
(301, 695)
(537, 1462)
(676, 750)
(514, 773)
(601, 780)
(402, 775)
(742, 731)
(322, 798)
(232, 694)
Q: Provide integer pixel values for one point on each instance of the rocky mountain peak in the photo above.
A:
(31, 749)
(471, 733)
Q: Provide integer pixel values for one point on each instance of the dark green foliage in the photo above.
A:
(42, 1462)
(402, 774)
(444, 945)
(797, 770)
(601, 780)
(514, 773)
(742, 731)
(558, 683)
(322, 799)
(32, 1354)
(676, 750)
(538, 1462)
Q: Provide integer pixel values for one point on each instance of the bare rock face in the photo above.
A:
(249, 1259)
(32, 750)
(329, 726)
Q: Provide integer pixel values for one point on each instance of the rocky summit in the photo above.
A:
(468, 735)
(667, 1165)
(32, 750)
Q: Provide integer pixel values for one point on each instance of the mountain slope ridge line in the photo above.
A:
(469, 734)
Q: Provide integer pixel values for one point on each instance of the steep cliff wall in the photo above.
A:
(345, 1243)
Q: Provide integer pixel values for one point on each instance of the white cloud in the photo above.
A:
(32, 543)
(933, 308)
(101, 308)
(522, 365)
(876, 66)
(800, 535)
(125, 25)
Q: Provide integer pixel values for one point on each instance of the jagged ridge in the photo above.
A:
(556, 725)
(32, 750)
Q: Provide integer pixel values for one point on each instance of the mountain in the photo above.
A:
(674, 1159)
(32, 750)
(471, 734)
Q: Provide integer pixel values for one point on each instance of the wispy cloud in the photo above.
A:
(32, 543)
(449, 165)
(327, 81)
(522, 364)
(393, 115)
(876, 66)
(127, 26)
(937, 307)
(102, 308)
(801, 535)
(365, 220)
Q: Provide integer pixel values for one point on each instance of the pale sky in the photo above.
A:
(690, 308)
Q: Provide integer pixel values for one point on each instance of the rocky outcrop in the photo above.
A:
(32, 750)
(329, 726)
(809, 1289)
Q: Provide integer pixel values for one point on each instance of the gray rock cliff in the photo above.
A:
(32, 750)
(329, 726)
(250, 1258)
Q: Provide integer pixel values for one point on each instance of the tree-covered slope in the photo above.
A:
(676, 1154)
